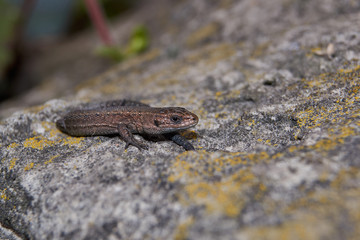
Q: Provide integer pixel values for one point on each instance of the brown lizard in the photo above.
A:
(125, 117)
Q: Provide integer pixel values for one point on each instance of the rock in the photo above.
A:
(277, 143)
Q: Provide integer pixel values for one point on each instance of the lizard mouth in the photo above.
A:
(187, 126)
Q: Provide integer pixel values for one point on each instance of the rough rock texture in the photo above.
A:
(276, 87)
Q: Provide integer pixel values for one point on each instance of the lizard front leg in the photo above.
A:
(128, 137)
(180, 140)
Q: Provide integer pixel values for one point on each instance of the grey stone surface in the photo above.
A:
(277, 143)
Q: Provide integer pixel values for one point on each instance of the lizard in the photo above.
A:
(126, 117)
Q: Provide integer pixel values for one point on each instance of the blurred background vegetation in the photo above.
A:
(26, 23)
(8, 17)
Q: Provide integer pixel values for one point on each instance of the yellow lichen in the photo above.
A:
(181, 233)
(260, 49)
(50, 160)
(347, 71)
(219, 197)
(72, 140)
(202, 34)
(12, 145)
(41, 141)
(12, 163)
(29, 166)
(304, 227)
(218, 94)
(324, 206)
(38, 142)
(3, 195)
(36, 109)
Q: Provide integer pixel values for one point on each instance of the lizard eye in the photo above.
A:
(175, 119)
(156, 122)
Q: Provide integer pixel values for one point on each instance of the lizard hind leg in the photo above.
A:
(128, 137)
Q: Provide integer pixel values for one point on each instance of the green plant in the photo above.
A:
(138, 43)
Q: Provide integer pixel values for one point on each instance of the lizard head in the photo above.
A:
(172, 119)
